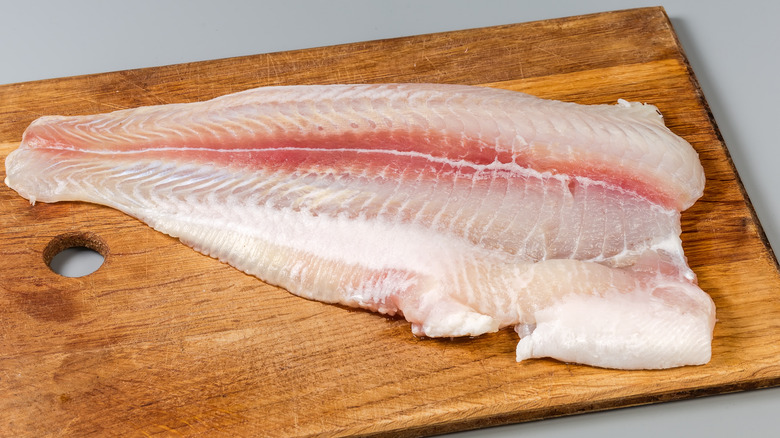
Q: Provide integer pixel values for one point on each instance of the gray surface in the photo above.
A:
(732, 47)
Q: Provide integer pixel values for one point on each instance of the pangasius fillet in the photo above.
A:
(464, 209)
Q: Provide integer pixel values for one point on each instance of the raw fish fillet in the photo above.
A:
(464, 209)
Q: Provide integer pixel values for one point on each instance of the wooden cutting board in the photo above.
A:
(164, 341)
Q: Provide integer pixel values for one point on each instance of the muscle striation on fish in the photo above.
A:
(464, 209)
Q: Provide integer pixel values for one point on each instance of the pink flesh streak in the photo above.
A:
(385, 148)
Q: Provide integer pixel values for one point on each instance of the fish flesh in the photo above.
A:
(464, 209)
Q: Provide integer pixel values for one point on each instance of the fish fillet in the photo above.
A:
(463, 209)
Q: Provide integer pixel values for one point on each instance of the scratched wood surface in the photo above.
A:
(164, 341)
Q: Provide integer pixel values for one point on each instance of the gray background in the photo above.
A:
(732, 46)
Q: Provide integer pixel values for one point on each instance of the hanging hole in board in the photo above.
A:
(75, 254)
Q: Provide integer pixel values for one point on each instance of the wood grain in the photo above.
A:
(164, 341)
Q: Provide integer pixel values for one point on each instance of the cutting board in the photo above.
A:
(164, 341)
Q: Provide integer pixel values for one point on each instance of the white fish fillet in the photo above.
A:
(464, 209)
